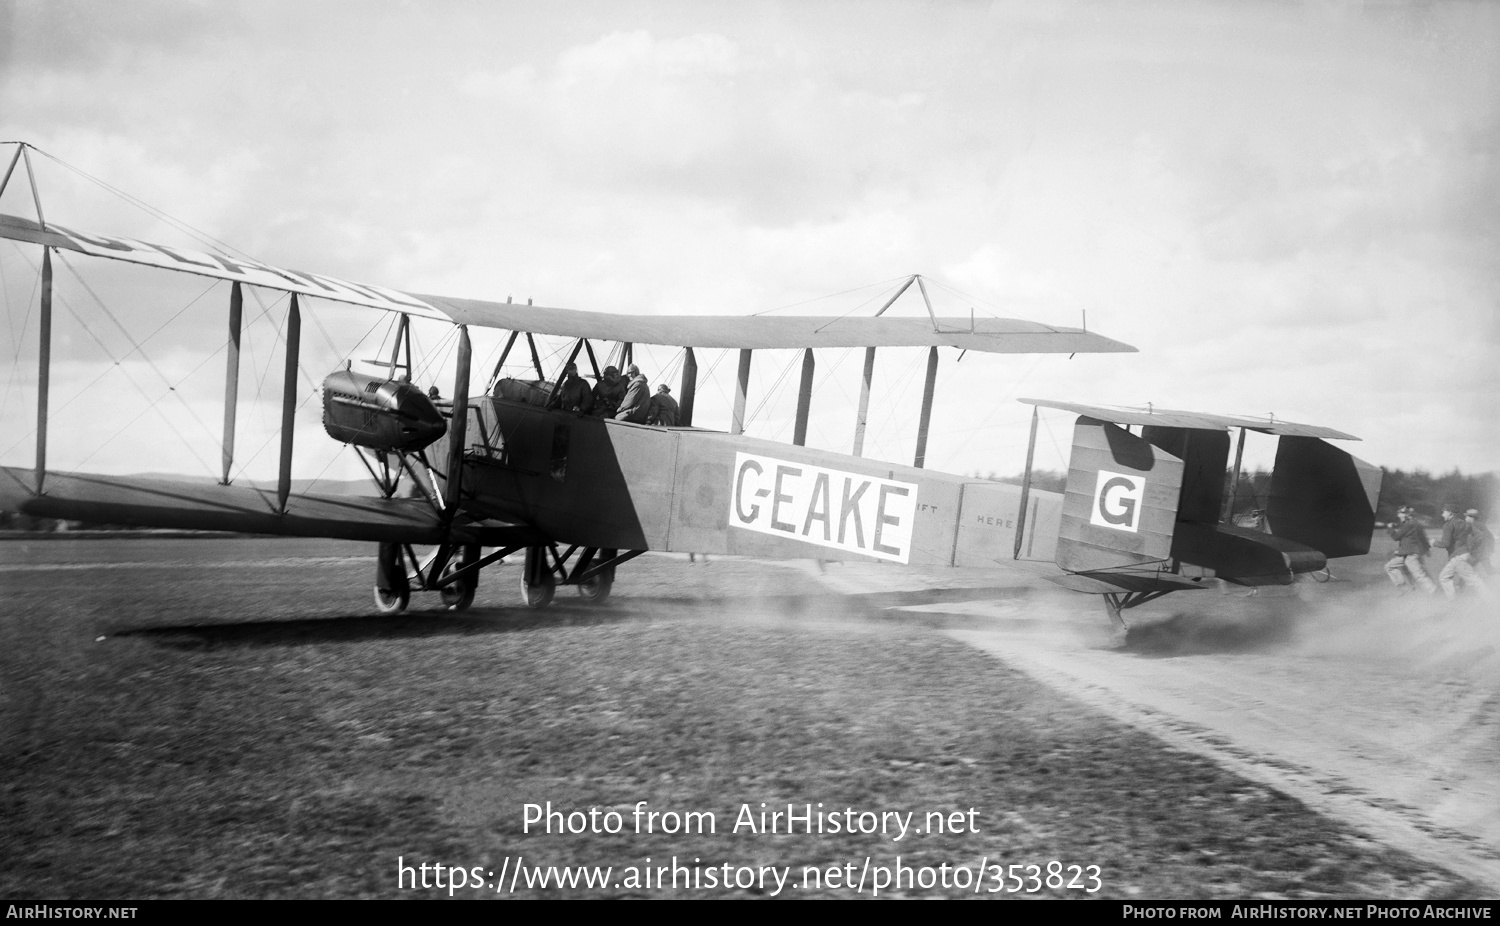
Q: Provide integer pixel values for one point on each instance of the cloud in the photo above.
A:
(1275, 204)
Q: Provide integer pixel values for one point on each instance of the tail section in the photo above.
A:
(1120, 506)
(1323, 497)
(1150, 507)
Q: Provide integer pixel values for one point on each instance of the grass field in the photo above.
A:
(245, 729)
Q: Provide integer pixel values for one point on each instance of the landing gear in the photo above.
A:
(597, 582)
(392, 589)
(596, 590)
(1116, 602)
(593, 573)
(398, 573)
(538, 583)
(1112, 608)
(387, 602)
(459, 594)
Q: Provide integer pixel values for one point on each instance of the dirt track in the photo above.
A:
(1380, 710)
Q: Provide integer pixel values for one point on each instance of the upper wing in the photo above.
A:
(1167, 418)
(204, 263)
(991, 335)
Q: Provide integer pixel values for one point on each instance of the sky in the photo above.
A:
(1290, 209)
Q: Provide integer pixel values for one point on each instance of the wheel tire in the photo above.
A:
(596, 590)
(537, 590)
(458, 596)
(387, 602)
(537, 596)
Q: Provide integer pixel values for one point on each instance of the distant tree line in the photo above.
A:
(1428, 493)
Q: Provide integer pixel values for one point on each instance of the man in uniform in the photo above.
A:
(609, 392)
(663, 410)
(1482, 542)
(574, 394)
(1411, 546)
(637, 402)
(1458, 539)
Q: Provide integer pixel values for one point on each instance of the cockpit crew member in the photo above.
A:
(663, 409)
(574, 395)
(637, 402)
(608, 392)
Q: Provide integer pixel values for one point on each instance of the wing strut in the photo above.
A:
(495, 376)
(804, 399)
(460, 423)
(891, 301)
(44, 365)
(289, 403)
(593, 361)
(232, 376)
(689, 386)
(864, 401)
(922, 285)
(403, 337)
(741, 387)
(1234, 481)
(14, 159)
(926, 419)
(1025, 486)
(558, 383)
(35, 198)
(535, 360)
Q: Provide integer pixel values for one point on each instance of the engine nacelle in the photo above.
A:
(381, 414)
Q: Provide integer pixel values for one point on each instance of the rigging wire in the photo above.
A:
(205, 237)
(124, 371)
(274, 433)
(959, 292)
(772, 393)
(15, 369)
(885, 425)
(1002, 401)
(846, 292)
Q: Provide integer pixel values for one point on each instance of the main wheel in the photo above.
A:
(595, 590)
(392, 589)
(458, 595)
(390, 602)
(538, 584)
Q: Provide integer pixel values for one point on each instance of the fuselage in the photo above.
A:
(612, 484)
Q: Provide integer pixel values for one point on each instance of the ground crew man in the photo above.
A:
(1411, 546)
(1458, 540)
(1482, 541)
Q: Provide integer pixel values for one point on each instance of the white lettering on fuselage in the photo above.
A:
(828, 507)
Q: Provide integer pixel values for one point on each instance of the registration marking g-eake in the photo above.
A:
(827, 507)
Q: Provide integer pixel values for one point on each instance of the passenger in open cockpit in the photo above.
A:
(663, 410)
(609, 392)
(573, 395)
(637, 402)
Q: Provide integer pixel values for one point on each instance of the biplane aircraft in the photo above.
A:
(1145, 512)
